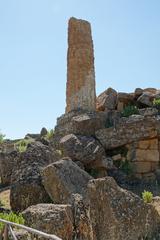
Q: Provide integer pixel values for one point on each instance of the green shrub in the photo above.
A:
(12, 217)
(2, 136)
(156, 104)
(108, 123)
(126, 167)
(129, 110)
(49, 134)
(147, 196)
(21, 145)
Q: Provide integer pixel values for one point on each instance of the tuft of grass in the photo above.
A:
(49, 134)
(147, 196)
(21, 145)
(129, 110)
(156, 102)
(12, 217)
(2, 136)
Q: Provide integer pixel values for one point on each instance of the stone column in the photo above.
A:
(80, 93)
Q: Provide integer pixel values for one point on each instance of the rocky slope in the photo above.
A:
(74, 177)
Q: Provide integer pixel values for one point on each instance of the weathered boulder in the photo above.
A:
(80, 123)
(124, 99)
(107, 100)
(7, 163)
(64, 178)
(118, 214)
(146, 99)
(138, 92)
(150, 90)
(52, 219)
(150, 111)
(25, 194)
(27, 188)
(43, 132)
(34, 136)
(131, 129)
(82, 148)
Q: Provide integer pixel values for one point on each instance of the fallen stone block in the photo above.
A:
(64, 178)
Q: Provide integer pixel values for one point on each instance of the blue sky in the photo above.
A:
(33, 48)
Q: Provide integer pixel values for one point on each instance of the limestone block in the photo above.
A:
(149, 144)
(82, 148)
(64, 178)
(118, 214)
(129, 130)
(107, 100)
(147, 155)
(117, 157)
(120, 106)
(51, 218)
(144, 167)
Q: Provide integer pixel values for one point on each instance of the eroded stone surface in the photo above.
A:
(27, 189)
(116, 213)
(82, 148)
(64, 178)
(51, 218)
(133, 129)
(80, 67)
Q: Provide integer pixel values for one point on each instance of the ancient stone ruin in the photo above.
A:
(85, 182)
(80, 67)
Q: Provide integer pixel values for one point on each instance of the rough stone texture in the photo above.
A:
(7, 163)
(148, 111)
(64, 178)
(147, 155)
(119, 214)
(22, 234)
(150, 90)
(107, 100)
(138, 92)
(144, 157)
(82, 221)
(27, 189)
(132, 129)
(146, 99)
(82, 148)
(80, 67)
(52, 219)
(79, 122)
(124, 99)
(43, 132)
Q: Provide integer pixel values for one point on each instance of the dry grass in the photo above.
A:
(5, 198)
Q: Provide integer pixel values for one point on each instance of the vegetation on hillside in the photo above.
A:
(147, 196)
(129, 110)
(21, 145)
(2, 136)
(12, 217)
